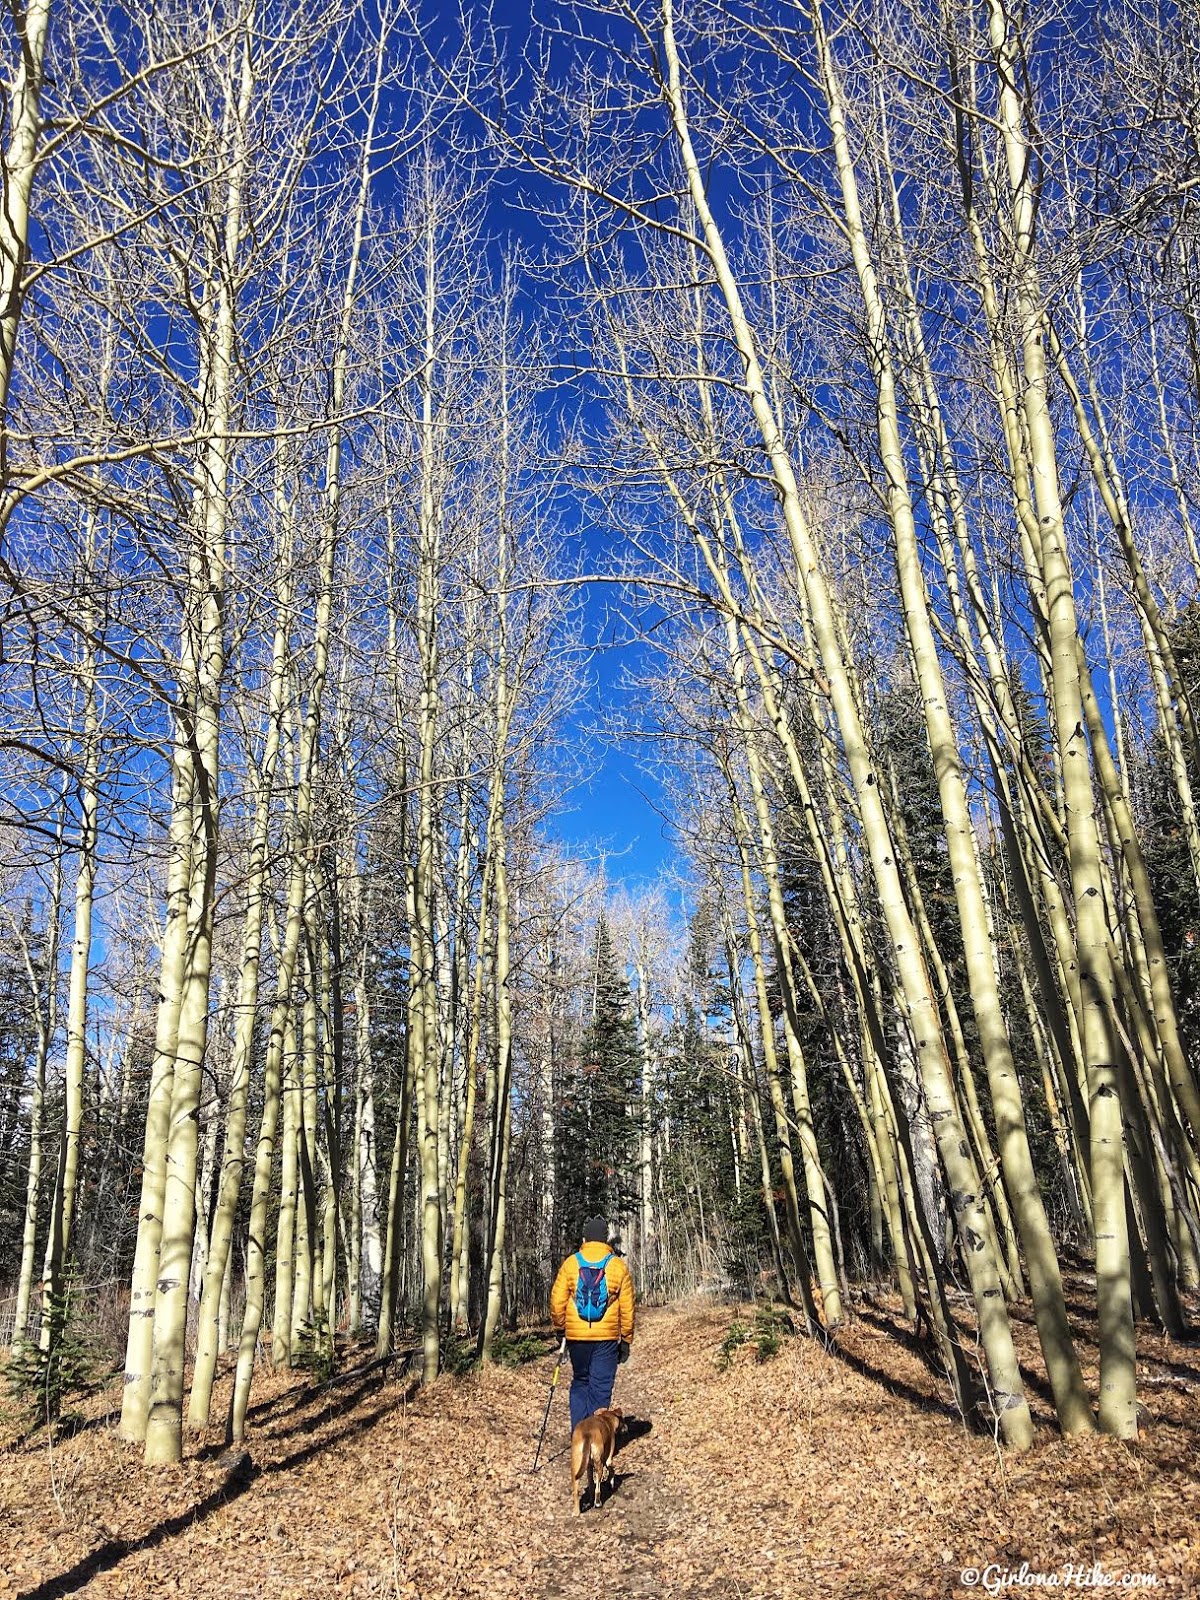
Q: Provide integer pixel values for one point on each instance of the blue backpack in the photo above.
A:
(591, 1291)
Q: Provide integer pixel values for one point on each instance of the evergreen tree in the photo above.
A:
(598, 1128)
(1172, 878)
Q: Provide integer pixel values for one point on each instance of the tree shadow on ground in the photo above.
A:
(236, 1484)
(896, 1331)
(922, 1399)
(295, 1399)
(893, 1385)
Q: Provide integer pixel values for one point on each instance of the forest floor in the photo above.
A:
(810, 1473)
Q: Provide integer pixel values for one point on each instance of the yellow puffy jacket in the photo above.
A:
(617, 1321)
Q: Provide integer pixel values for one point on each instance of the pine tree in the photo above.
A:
(598, 1129)
(1174, 884)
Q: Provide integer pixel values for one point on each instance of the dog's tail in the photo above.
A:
(580, 1455)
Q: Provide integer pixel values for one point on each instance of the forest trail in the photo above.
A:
(807, 1474)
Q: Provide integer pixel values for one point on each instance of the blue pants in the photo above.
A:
(594, 1368)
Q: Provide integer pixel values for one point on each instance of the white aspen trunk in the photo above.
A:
(81, 943)
(497, 845)
(771, 1062)
(328, 1113)
(646, 1127)
(996, 1333)
(447, 1029)
(502, 1122)
(748, 1088)
(1062, 1362)
(289, 1182)
(136, 1396)
(47, 1022)
(1177, 482)
(223, 1304)
(1118, 1400)
(257, 1236)
(164, 1423)
(389, 1284)
(281, 1039)
(366, 1157)
(61, 1233)
(460, 1246)
(206, 1159)
(814, 1175)
(217, 1271)
(20, 161)
(546, 1088)
(428, 1057)
(305, 1266)
(890, 1160)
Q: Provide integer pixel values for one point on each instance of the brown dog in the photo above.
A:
(592, 1446)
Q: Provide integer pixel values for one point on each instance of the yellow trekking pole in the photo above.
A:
(562, 1350)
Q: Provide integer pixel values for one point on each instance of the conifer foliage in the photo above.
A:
(597, 1128)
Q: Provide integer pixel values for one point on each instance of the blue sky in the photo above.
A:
(612, 815)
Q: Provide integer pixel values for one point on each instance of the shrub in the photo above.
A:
(315, 1351)
(766, 1335)
(515, 1349)
(737, 1334)
(71, 1362)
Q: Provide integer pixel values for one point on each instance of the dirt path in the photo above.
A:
(644, 1517)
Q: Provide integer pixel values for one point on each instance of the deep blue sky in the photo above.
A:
(612, 815)
(609, 815)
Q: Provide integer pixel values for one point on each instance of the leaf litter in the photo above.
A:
(842, 1474)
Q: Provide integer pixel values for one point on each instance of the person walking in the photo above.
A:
(592, 1303)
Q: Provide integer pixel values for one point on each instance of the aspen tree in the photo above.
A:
(207, 563)
(366, 1254)
(18, 166)
(424, 1014)
(216, 1272)
(1062, 1362)
(289, 1192)
(1117, 1353)
(43, 988)
(460, 1251)
(645, 916)
(497, 841)
(996, 1332)
(745, 1057)
(770, 1061)
(331, 1078)
(61, 1232)
(136, 1393)
(393, 1221)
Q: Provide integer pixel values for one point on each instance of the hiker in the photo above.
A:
(592, 1303)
